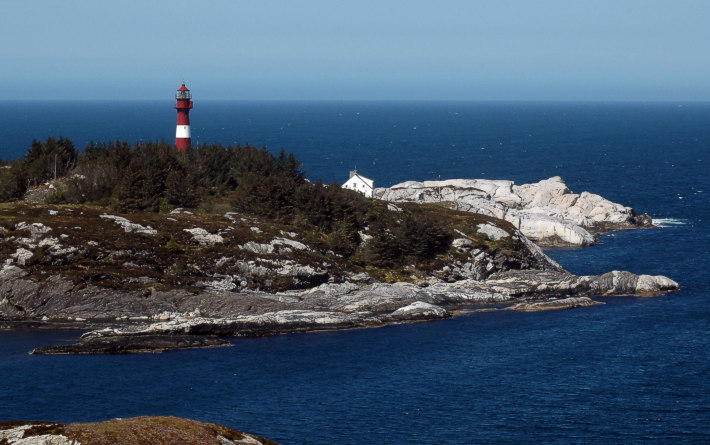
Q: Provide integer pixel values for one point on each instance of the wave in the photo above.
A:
(669, 222)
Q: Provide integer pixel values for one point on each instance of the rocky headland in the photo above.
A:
(157, 281)
(547, 212)
(137, 430)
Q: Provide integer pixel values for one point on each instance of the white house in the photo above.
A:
(360, 184)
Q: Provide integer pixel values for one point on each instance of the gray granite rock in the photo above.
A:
(547, 212)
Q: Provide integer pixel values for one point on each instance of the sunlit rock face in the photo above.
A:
(547, 212)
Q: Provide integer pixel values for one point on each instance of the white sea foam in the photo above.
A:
(669, 222)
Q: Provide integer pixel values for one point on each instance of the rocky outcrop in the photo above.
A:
(133, 431)
(419, 310)
(547, 212)
(531, 285)
(129, 226)
(277, 245)
(554, 304)
(203, 237)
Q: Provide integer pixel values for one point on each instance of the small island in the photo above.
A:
(138, 430)
(150, 249)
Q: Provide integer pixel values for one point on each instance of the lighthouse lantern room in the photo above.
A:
(183, 107)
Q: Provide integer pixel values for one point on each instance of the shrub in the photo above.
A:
(172, 246)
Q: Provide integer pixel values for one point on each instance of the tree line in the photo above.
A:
(153, 176)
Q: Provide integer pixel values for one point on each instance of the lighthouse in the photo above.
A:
(183, 107)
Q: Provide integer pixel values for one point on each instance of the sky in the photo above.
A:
(653, 50)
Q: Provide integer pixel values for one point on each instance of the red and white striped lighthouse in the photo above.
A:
(183, 107)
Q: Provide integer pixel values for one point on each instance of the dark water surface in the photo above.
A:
(631, 370)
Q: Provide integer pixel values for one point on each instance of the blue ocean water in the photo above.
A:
(632, 370)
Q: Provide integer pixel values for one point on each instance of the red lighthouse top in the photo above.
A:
(183, 93)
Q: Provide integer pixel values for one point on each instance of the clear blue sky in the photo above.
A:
(360, 49)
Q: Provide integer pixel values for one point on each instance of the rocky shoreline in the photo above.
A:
(156, 282)
(349, 306)
(133, 344)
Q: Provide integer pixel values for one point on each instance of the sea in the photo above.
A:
(633, 370)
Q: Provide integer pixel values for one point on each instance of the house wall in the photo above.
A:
(357, 184)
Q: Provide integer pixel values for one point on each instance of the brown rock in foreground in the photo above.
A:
(137, 430)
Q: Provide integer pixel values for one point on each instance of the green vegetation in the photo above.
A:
(52, 159)
(154, 177)
(148, 178)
